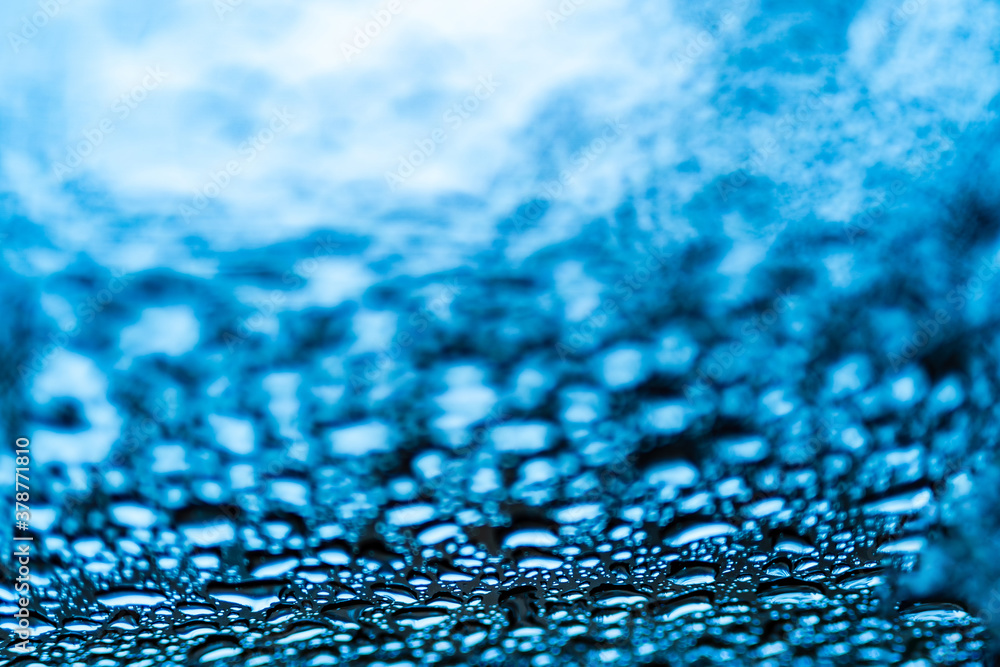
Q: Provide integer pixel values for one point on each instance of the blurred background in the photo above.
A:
(538, 333)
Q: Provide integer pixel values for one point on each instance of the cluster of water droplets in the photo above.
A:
(511, 483)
